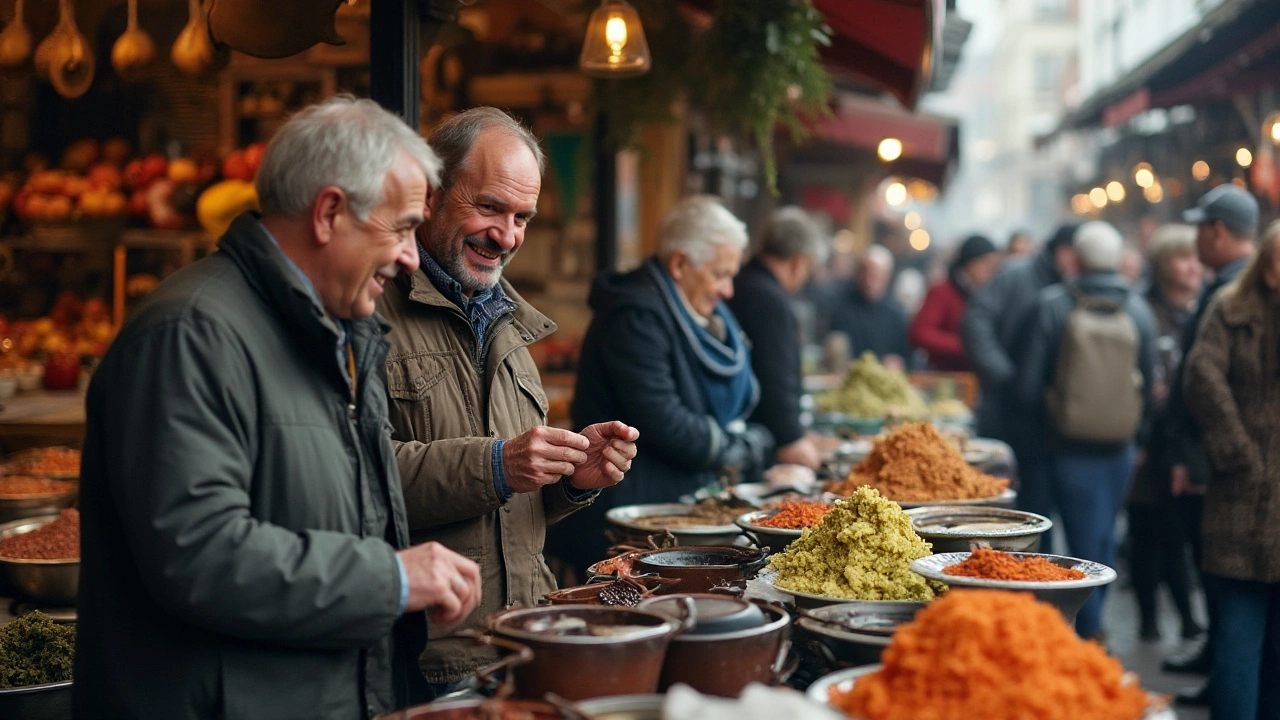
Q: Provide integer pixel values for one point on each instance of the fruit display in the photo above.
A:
(74, 326)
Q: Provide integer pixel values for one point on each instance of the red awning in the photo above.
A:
(890, 43)
(883, 45)
(862, 122)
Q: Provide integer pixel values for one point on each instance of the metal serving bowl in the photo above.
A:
(48, 581)
(1066, 595)
(1006, 498)
(855, 633)
(16, 507)
(51, 701)
(952, 528)
(809, 601)
(844, 680)
(628, 517)
(774, 539)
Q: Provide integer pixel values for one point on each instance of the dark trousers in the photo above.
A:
(1246, 655)
(1157, 554)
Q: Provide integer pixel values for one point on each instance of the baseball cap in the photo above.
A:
(1228, 204)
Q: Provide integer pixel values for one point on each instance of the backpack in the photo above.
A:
(1096, 394)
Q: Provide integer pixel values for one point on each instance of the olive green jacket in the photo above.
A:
(448, 417)
(240, 512)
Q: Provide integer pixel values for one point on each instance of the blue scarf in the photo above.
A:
(723, 369)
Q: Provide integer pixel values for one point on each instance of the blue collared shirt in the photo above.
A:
(342, 363)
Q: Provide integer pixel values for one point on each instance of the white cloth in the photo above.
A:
(758, 702)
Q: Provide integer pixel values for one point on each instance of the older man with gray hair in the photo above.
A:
(785, 255)
(665, 354)
(245, 550)
(868, 313)
(1088, 375)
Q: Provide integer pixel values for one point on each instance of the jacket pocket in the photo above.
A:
(410, 382)
(534, 410)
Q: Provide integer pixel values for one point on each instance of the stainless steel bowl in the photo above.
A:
(774, 539)
(952, 528)
(1066, 595)
(1006, 498)
(810, 601)
(855, 633)
(48, 581)
(51, 701)
(16, 507)
(628, 517)
(844, 680)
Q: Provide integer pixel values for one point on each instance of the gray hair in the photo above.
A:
(878, 254)
(696, 226)
(790, 232)
(344, 142)
(1099, 246)
(454, 138)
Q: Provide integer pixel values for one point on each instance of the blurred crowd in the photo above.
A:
(1133, 378)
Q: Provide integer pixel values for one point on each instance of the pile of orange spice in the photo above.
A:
(914, 463)
(22, 485)
(995, 655)
(998, 565)
(796, 515)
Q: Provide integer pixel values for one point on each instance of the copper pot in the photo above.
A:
(724, 663)
(702, 568)
(577, 667)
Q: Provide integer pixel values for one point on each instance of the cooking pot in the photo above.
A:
(733, 643)
(856, 633)
(619, 652)
(701, 568)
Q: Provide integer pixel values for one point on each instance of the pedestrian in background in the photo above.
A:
(1087, 373)
(762, 302)
(994, 329)
(1232, 386)
(1157, 540)
(936, 328)
(866, 312)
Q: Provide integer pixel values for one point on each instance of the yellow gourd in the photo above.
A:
(220, 203)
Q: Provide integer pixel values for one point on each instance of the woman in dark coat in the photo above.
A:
(665, 354)
(1232, 386)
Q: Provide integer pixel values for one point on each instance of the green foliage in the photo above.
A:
(756, 66)
(761, 57)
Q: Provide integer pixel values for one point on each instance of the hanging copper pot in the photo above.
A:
(274, 29)
(71, 61)
(15, 41)
(194, 52)
(134, 50)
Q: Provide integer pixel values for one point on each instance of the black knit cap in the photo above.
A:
(1064, 235)
(974, 247)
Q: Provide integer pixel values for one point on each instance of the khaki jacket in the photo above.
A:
(445, 417)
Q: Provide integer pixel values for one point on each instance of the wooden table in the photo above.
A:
(44, 415)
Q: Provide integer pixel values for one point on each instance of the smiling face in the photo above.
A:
(475, 229)
(362, 255)
(707, 284)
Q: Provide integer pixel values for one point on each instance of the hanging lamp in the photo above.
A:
(615, 44)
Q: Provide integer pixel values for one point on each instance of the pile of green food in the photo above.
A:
(35, 650)
(871, 390)
(861, 550)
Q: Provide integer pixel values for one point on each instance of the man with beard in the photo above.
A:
(481, 472)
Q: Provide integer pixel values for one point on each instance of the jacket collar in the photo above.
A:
(268, 272)
(534, 325)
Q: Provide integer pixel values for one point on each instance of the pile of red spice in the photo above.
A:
(998, 565)
(57, 540)
(996, 655)
(22, 485)
(46, 461)
(796, 515)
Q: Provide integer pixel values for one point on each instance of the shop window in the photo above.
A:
(1048, 78)
(1051, 10)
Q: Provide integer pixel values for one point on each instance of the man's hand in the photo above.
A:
(442, 580)
(542, 456)
(1180, 482)
(801, 452)
(612, 448)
